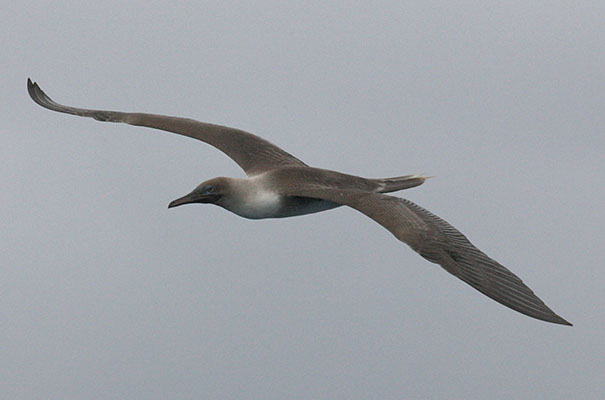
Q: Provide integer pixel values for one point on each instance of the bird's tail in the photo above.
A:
(387, 185)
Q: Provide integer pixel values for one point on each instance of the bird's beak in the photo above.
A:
(194, 197)
(189, 198)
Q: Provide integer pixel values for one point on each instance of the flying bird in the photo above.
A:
(279, 185)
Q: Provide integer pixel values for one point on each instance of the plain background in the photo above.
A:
(106, 294)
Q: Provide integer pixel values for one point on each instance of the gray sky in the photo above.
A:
(107, 294)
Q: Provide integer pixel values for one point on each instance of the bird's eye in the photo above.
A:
(209, 189)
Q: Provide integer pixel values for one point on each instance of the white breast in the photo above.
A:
(255, 203)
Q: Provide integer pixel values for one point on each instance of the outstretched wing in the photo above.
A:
(441, 243)
(252, 153)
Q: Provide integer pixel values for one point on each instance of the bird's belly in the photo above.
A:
(296, 205)
(271, 205)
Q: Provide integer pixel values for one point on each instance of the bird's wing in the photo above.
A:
(252, 153)
(439, 242)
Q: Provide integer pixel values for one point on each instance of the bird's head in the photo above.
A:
(209, 192)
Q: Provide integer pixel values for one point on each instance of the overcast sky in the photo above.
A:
(107, 294)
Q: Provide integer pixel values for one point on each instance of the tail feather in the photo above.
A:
(394, 184)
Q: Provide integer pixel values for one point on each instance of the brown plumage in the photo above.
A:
(280, 185)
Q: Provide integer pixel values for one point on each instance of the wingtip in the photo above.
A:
(555, 319)
(565, 322)
(30, 86)
(38, 95)
(33, 89)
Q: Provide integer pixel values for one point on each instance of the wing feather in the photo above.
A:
(252, 153)
(439, 242)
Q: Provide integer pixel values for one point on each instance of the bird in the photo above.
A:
(279, 185)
